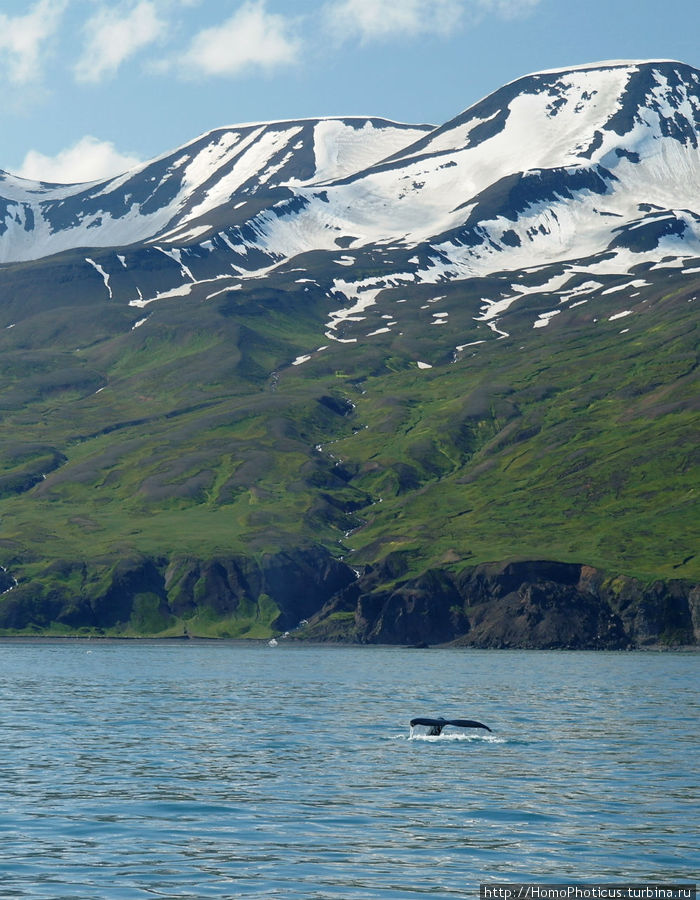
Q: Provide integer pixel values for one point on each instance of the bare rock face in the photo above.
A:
(536, 604)
(660, 613)
(300, 582)
(426, 610)
(694, 608)
(543, 614)
(7, 582)
(530, 604)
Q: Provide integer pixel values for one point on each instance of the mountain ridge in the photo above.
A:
(285, 380)
(202, 159)
(615, 80)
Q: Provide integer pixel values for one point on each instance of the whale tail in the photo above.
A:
(435, 726)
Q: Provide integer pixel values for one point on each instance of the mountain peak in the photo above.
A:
(348, 334)
(605, 64)
(549, 163)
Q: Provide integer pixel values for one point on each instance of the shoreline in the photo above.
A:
(297, 642)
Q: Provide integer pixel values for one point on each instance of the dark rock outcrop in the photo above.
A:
(302, 581)
(428, 609)
(145, 595)
(131, 577)
(7, 582)
(529, 604)
(220, 584)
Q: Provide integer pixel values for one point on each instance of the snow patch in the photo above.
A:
(176, 255)
(461, 347)
(105, 277)
(638, 282)
(364, 293)
(544, 318)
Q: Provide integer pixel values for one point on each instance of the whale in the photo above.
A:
(435, 726)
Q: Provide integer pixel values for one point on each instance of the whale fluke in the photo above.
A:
(436, 725)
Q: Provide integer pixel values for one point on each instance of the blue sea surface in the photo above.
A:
(213, 769)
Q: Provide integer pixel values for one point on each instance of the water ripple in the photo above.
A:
(219, 770)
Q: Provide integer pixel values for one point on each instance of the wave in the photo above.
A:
(441, 738)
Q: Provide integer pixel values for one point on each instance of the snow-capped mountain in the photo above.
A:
(464, 354)
(594, 169)
(220, 179)
(555, 166)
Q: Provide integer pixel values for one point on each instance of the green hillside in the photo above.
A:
(189, 437)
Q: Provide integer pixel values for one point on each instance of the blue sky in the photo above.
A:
(91, 87)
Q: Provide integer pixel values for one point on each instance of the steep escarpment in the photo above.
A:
(225, 596)
(531, 604)
(311, 595)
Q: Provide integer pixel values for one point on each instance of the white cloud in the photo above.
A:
(22, 39)
(251, 38)
(371, 20)
(88, 160)
(114, 34)
(381, 19)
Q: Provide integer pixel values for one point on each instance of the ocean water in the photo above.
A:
(196, 770)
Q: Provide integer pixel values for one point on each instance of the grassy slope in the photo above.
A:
(178, 418)
(579, 444)
(192, 434)
(580, 470)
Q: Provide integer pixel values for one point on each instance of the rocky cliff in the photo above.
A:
(527, 604)
(532, 604)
